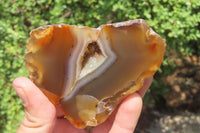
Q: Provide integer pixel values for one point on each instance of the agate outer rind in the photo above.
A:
(88, 71)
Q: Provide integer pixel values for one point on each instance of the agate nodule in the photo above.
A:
(88, 71)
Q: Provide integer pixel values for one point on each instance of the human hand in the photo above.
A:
(41, 116)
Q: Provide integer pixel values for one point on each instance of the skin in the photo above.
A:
(41, 116)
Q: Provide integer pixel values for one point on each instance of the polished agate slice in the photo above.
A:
(88, 71)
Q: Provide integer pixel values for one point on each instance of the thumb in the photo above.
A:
(40, 114)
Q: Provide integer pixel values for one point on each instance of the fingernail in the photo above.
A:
(22, 95)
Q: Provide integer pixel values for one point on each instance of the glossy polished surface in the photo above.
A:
(88, 71)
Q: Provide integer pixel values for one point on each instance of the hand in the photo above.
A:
(41, 116)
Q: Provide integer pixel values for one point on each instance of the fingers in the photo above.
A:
(127, 115)
(146, 85)
(40, 114)
(64, 126)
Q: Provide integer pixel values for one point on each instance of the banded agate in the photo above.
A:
(88, 71)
